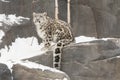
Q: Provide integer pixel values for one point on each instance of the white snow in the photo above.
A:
(65, 79)
(11, 19)
(88, 39)
(20, 49)
(117, 56)
(37, 66)
(4, 0)
(84, 39)
(1, 35)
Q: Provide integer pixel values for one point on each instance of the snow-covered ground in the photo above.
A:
(20, 49)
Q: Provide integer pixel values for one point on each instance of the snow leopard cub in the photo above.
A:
(52, 30)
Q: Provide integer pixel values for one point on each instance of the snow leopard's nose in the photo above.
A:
(37, 20)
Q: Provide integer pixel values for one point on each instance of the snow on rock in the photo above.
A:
(84, 39)
(1, 35)
(4, 0)
(20, 49)
(88, 39)
(11, 19)
(37, 66)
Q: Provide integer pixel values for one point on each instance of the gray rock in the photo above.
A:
(83, 21)
(23, 73)
(5, 73)
(87, 61)
(106, 23)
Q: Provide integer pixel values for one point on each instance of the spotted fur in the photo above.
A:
(51, 30)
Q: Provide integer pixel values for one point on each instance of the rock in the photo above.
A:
(96, 70)
(87, 61)
(21, 72)
(106, 24)
(83, 21)
(44, 59)
(5, 73)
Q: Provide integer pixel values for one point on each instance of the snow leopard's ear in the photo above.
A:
(45, 13)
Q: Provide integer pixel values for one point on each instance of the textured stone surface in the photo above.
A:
(5, 73)
(94, 60)
(83, 21)
(23, 73)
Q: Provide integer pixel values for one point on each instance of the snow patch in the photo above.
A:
(84, 39)
(65, 79)
(21, 49)
(81, 39)
(4, 0)
(1, 35)
(117, 56)
(62, 79)
(11, 19)
(37, 66)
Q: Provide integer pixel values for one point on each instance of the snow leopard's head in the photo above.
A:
(39, 18)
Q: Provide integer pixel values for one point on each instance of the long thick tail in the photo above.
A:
(57, 56)
(58, 52)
